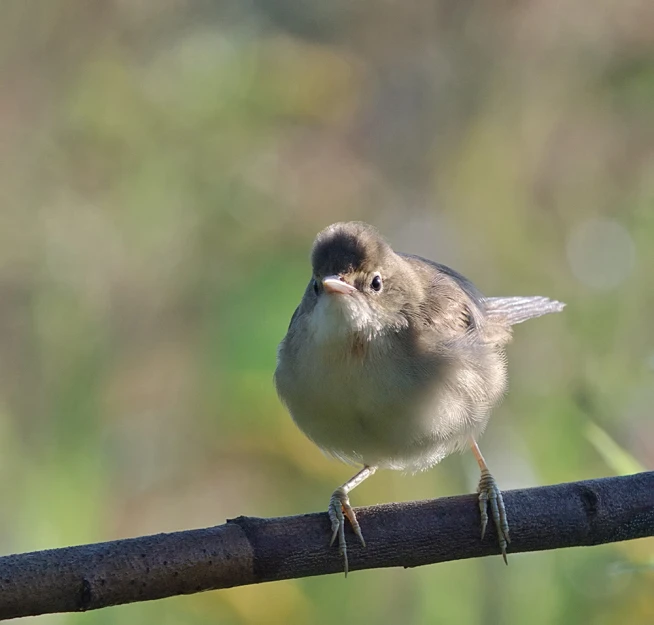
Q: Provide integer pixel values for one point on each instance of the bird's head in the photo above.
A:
(359, 284)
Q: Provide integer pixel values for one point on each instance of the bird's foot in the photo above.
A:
(339, 508)
(489, 493)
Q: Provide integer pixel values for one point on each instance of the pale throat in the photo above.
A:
(338, 318)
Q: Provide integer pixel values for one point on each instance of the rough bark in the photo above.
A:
(249, 550)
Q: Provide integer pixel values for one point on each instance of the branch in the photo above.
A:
(250, 550)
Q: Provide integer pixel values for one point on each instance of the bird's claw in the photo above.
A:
(339, 508)
(489, 493)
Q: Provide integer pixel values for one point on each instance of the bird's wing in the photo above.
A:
(453, 305)
(512, 310)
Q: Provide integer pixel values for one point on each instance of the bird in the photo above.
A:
(393, 361)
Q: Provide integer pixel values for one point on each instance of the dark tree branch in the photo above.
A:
(250, 550)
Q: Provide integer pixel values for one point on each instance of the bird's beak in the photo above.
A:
(335, 284)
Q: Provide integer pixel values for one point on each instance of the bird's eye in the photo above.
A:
(376, 283)
(316, 286)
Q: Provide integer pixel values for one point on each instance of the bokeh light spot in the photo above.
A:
(600, 253)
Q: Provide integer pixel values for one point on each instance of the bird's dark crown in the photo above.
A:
(346, 247)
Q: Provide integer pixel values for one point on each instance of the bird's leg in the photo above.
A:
(490, 493)
(339, 508)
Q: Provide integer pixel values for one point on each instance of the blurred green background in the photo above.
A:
(164, 167)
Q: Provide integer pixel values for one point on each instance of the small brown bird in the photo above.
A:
(392, 361)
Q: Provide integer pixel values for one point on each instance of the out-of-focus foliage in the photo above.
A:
(164, 166)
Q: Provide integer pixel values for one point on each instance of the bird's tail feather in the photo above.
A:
(514, 310)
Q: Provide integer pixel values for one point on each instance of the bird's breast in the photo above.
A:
(357, 400)
(385, 402)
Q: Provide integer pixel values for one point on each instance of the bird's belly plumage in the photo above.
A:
(401, 411)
